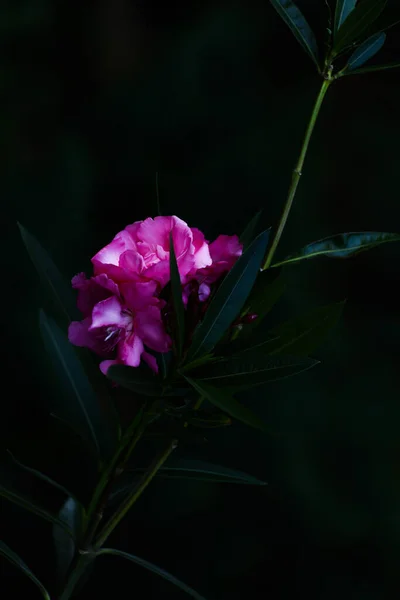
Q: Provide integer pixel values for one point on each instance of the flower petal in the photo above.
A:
(130, 350)
(80, 335)
(149, 326)
(106, 364)
(151, 361)
(109, 313)
(202, 257)
(139, 294)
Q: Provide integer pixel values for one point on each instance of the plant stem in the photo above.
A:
(297, 171)
(137, 492)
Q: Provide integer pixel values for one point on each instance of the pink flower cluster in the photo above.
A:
(121, 303)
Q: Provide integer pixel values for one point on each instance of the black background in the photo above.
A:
(215, 96)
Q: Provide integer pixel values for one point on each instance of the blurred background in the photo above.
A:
(214, 96)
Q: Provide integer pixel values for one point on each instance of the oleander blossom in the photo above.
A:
(124, 317)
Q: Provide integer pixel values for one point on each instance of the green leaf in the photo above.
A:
(59, 290)
(357, 22)
(83, 410)
(25, 503)
(248, 234)
(366, 51)
(252, 368)
(154, 569)
(72, 515)
(373, 69)
(227, 403)
(266, 292)
(206, 420)
(295, 20)
(41, 476)
(342, 245)
(176, 287)
(302, 335)
(343, 9)
(132, 378)
(229, 299)
(18, 562)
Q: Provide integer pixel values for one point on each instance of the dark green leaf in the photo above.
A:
(357, 22)
(206, 420)
(133, 379)
(59, 290)
(229, 299)
(266, 292)
(303, 335)
(295, 20)
(154, 569)
(248, 234)
(25, 503)
(366, 51)
(18, 562)
(252, 368)
(83, 410)
(179, 311)
(374, 69)
(41, 476)
(342, 245)
(72, 515)
(227, 403)
(343, 9)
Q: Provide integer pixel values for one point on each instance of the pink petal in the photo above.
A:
(204, 292)
(131, 260)
(80, 335)
(156, 231)
(202, 257)
(226, 248)
(106, 364)
(130, 350)
(149, 326)
(139, 294)
(110, 254)
(93, 290)
(151, 361)
(108, 313)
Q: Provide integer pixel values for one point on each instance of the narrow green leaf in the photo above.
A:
(83, 410)
(357, 22)
(373, 69)
(229, 299)
(72, 515)
(176, 287)
(342, 245)
(266, 292)
(133, 379)
(249, 369)
(298, 25)
(154, 569)
(59, 290)
(25, 503)
(248, 234)
(206, 420)
(343, 9)
(227, 403)
(302, 335)
(18, 562)
(42, 476)
(366, 51)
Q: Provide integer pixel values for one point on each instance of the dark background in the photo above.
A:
(215, 96)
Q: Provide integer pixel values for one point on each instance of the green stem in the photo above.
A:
(81, 563)
(297, 172)
(137, 492)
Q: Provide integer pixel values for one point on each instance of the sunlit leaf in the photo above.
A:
(343, 9)
(366, 51)
(298, 25)
(357, 22)
(176, 288)
(82, 410)
(229, 299)
(249, 369)
(227, 403)
(154, 569)
(72, 515)
(342, 245)
(18, 562)
(59, 290)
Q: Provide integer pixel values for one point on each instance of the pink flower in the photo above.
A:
(124, 318)
(224, 251)
(141, 250)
